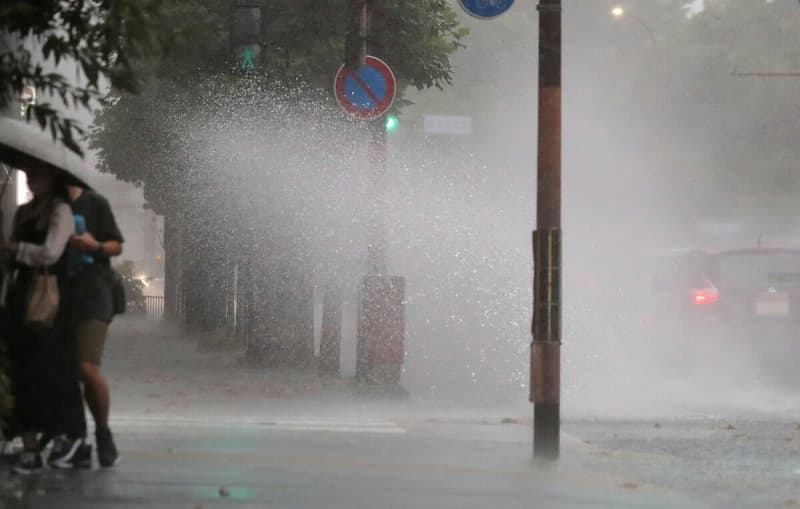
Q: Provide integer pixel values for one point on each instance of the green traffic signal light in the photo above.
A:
(392, 123)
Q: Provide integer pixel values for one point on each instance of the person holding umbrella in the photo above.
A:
(92, 280)
(35, 321)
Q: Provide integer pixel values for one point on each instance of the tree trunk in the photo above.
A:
(204, 276)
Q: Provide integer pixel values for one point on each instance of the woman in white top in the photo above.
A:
(42, 369)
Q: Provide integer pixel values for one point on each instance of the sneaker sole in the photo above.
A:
(27, 471)
(23, 471)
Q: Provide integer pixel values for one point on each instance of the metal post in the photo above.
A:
(376, 254)
(381, 317)
(331, 333)
(356, 37)
(546, 328)
(376, 36)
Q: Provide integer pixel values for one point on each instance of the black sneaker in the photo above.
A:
(63, 453)
(83, 457)
(29, 462)
(107, 453)
(44, 441)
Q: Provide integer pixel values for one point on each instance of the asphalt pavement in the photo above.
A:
(330, 463)
(198, 430)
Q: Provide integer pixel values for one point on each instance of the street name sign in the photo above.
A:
(365, 93)
(485, 9)
(447, 124)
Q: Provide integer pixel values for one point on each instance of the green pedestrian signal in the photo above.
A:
(392, 123)
(248, 59)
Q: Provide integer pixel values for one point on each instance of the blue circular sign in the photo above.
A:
(368, 92)
(486, 9)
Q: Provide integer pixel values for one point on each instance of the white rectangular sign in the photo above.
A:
(447, 124)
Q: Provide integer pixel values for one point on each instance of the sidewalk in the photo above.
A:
(154, 371)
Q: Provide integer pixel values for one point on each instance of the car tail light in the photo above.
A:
(707, 295)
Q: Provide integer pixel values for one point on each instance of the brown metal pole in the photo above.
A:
(546, 329)
(381, 321)
(376, 46)
(377, 155)
(357, 31)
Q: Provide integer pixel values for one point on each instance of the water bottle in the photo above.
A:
(80, 229)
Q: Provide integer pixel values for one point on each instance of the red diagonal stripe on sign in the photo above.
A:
(362, 84)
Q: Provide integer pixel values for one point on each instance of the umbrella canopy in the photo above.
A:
(22, 143)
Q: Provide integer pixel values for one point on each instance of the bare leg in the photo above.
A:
(95, 389)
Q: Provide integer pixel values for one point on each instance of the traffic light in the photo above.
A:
(245, 35)
(392, 123)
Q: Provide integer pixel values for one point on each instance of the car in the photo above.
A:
(745, 287)
(740, 298)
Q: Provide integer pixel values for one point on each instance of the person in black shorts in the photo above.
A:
(97, 239)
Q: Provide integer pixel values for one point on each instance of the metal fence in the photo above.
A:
(150, 307)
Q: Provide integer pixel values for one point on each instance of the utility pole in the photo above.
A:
(546, 327)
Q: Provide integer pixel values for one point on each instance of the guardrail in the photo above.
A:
(152, 307)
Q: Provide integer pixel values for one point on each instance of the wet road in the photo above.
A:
(198, 431)
(748, 462)
(331, 464)
(355, 462)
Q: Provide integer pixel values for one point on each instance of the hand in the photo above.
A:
(84, 242)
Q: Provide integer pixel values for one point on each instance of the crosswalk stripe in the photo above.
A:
(340, 426)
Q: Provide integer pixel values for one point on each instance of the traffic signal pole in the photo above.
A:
(356, 37)
(374, 26)
(546, 328)
(380, 348)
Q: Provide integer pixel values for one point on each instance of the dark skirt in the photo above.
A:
(43, 370)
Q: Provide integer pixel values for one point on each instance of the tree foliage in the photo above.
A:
(138, 136)
(134, 286)
(102, 37)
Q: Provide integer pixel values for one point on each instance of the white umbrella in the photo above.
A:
(21, 142)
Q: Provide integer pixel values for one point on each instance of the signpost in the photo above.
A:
(365, 88)
(368, 92)
(486, 9)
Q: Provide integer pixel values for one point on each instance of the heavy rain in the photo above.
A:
(329, 273)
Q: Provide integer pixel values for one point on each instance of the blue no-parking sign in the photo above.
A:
(366, 93)
(486, 9)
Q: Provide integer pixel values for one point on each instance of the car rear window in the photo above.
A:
(775, 268)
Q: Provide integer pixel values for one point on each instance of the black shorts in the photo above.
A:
(92, 295)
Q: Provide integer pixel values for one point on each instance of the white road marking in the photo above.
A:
(321, 425)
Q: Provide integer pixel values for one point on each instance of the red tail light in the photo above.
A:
(703, 296)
